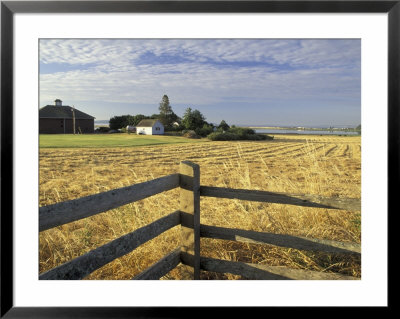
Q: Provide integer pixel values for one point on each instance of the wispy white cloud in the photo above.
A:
(292, 52)
(200, 72)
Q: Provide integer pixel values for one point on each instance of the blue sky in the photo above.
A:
(298, 82)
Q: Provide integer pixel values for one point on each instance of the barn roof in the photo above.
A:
(62, 112)
(147, 123)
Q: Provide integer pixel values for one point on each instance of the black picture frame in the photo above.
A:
(9, 8)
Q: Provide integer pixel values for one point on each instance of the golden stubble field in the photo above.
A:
(323, 165)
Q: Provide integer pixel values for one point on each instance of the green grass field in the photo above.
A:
(108, 140)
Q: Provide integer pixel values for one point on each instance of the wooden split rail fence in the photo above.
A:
(188, 216)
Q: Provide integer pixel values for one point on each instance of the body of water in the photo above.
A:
(276, 131)
(101, 122)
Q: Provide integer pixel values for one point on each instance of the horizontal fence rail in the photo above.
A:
(351, 204)
(260, 272)
(162, 267)
(82, 266)
(265, 272)
(288, 241)
(62, 213)
(188, 217)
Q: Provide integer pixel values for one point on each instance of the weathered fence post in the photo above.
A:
(190, 212)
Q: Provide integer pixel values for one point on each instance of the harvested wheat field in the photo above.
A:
(320, 165)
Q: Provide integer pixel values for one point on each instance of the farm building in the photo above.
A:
(150, 127)
(131, 129)
(59, 119)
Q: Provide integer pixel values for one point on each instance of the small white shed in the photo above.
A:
(150, 127)
(131, 129)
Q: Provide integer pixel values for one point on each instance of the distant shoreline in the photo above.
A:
(303, 128)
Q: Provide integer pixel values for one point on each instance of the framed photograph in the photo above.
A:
(243, 152)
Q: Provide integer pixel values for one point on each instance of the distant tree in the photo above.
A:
(118, 122)
(193, 120)
(165, 108)
(358, 128)
(122, 121)
(205, 130)
(199, 119)
(187, 119)
(223, 126)
(167, 115)
(137, 118)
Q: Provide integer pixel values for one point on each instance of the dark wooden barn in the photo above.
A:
(59, 119)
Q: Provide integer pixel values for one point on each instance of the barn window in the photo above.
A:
(157, 128)
(62, 123)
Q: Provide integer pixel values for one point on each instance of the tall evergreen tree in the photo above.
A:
(167, 116)
(165, 108)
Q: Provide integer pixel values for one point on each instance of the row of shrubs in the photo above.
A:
(238, 133)
(232, 134)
